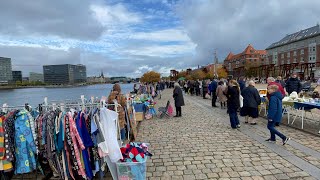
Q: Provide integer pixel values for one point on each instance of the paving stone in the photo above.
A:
(281, 176)
(201, 176)
(212, 175)
(269, 177)
(257, 178)
(189, 177)
(223, 174)
(244, 173)
(233, 174)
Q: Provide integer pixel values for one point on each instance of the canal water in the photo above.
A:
(35, 96)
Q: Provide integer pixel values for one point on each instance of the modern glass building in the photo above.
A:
(64, 74)
(16, 76)
(5, 70)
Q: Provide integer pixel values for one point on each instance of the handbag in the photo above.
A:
(207, 96)
(241, 101)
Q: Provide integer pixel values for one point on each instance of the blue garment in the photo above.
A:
(25, 146)
(87, 142)
(213, 86)
(60, 135)
(274, 131)
(234, 120)
(242, 84)
(123, 133)
(275, 107)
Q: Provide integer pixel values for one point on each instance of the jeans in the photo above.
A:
(234, 120)
(274, 131)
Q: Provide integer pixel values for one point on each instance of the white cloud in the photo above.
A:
(163, 35)
(161, 50)
(114, 15)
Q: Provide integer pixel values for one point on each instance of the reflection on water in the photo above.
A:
(35, 96)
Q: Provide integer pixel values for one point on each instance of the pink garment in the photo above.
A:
(77, 143)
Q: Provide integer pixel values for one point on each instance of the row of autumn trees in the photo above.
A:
(153, 76)
(200, 74)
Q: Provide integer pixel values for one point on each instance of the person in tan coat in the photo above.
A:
(121, 99)
(221, 96)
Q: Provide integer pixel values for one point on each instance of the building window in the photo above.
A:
(282, 56)
(302, 59)
(314, 49)
(294, 53)
(288, 54)
(295, 60)
(302, 51)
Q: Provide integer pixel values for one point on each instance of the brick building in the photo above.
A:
(298, 52)
(247, 61)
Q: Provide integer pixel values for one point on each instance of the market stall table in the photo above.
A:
(303, 107)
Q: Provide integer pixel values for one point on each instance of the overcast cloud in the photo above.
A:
(128, 37)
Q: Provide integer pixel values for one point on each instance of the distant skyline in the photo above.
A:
(130, 37)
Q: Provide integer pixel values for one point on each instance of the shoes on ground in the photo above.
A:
(238, 126)
(285, 141)
(269, 140)
(253, 123)
(176, 116)
(246, 122)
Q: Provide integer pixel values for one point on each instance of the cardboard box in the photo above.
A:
(139, 116)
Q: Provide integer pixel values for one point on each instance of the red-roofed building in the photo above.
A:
(248, 60)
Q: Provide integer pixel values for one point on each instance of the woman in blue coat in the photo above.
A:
(275, 114)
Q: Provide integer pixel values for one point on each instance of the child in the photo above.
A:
(275, 114)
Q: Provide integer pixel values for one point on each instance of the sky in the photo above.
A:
(131, 37)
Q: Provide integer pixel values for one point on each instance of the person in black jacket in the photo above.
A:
(293, 84)
(178, 99)
(233, 103)
(251, 101)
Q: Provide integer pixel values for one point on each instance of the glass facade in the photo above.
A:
(64, 74)
(5, 70)
(16, 76)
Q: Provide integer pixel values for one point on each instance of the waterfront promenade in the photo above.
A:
(202, 145)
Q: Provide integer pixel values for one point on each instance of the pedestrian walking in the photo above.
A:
(251, 101)
(213, 88)
(233, 103)
(178, 99)
(222, 98)
(275, 114)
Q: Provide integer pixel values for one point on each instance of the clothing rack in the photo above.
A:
(82, 104)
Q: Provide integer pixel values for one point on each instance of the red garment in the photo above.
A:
(280, 88)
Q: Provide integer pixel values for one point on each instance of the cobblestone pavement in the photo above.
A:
(201, 145)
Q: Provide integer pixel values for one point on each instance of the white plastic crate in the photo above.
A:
(132, 170)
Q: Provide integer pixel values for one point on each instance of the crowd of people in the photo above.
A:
(241, 96)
